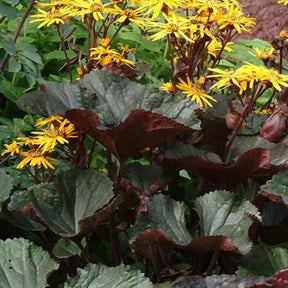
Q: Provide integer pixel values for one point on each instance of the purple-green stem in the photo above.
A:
(61, 35)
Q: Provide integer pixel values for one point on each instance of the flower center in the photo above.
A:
(95, 7)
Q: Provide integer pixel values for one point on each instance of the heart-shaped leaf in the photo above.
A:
(101, 276)
(24, 264)
(75, 196)
(142, 128)
(223, 213)
(112, 97)
(226, 176)
(165, 214)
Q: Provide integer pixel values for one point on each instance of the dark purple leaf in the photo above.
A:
(247, 165)
(140, 129)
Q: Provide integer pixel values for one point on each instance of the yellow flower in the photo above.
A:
(285, 2)
(104, 42)
(227, 78)
(195, 92)
(11, 149)
(94, 7)
(121, 60)
(47, 139)
(249, 75)
(233, 18)
(52, 3)
(54, 16)
(174, 24)
(129, 15)
(283, 34)
(99, 52)
(36, 158)
(268, 53)
(48, 121)
(205, 7)
(125, 49)
(215, 46)
(271, 77)
(167, 87)
(107, 56)
(156, 6)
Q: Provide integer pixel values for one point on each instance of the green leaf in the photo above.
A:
(113, 98)
(29, 51)
(30, 103)
(65, 248)
(9, 46)
(5, 186)
(101, 276)
(8, 11)
(13, 65)
(58, 54)
(12, 2)
(243, 53)
(263, 260)
(143, 177)
(23, 264)
(166, 214)
(223, 213)
(259, 43)
(276, 189)
(10, 91)
(76, 195)
(179, 150)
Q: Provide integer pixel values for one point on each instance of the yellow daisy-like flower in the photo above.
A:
(52, 3)
(167, 87)
(94, 7)
(195, 92)
(271, 77)
(285, 2)
(249, 75)
(125, 49)
(215, 46)
(204, 7)
(48, 121)
(55, 16)
(226, 78)
(47, 139)
(268, 53)
(156, 6)
(13, 148)
(174, 24)
(130, 15)
(233, 18)
(104, 42)
(106, 55)
(36, 158)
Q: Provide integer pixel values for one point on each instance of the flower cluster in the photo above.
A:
(197, 32)
(35, 150)
(249, 78)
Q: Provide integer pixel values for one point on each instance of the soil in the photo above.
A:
(271, 18)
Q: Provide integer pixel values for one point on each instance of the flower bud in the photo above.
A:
(232, 117)
(274, 127)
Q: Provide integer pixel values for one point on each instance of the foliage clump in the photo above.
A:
(161, 147)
